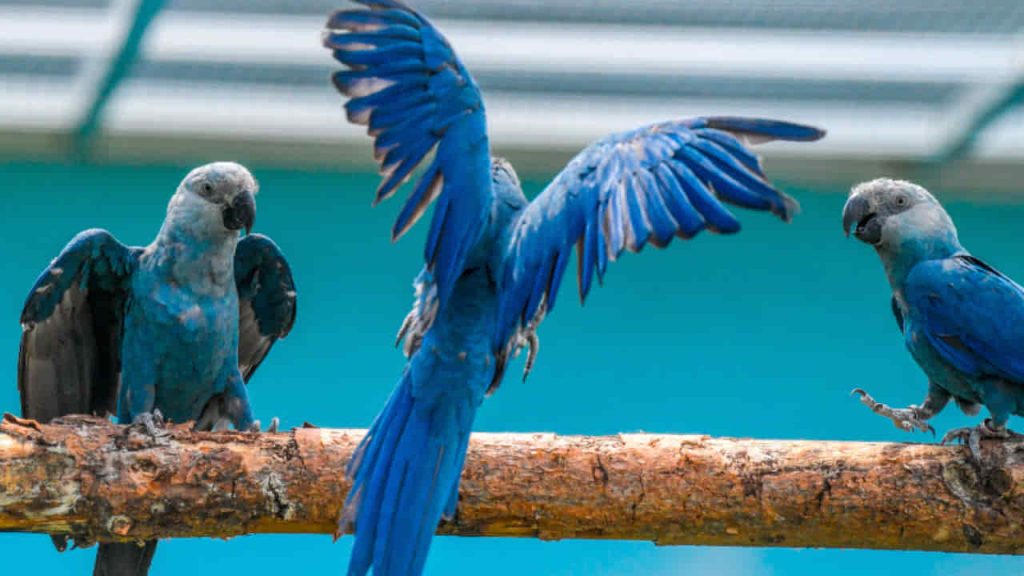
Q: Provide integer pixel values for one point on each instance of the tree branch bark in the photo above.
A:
(101, 482)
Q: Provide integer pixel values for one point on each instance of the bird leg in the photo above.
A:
(908, 419)
(406, 325)
(222, 411)
(972, 437)
(151, 422)
(526, 337)
(534, 346)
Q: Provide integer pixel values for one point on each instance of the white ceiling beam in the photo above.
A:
(1004, 140)
(860, 130)
(29, 103)
(613, 49)
(54, 31)
(514, 119)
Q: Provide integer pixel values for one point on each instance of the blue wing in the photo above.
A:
(647, 185)
(972, 314)
(408, 87)
(70, 357)
(266, 299)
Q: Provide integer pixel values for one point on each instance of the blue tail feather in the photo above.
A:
(406, 475)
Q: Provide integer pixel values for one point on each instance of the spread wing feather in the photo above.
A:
(266, 299)
(70, 357)
(407, 86)
(648, 185)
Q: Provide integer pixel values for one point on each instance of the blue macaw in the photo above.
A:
(171, 330)
(961, 319)
(494, 261)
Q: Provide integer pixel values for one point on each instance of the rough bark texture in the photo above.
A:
(101, 482)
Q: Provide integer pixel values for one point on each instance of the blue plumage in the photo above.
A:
(962, 320)
(412, 92)
(971, 314)
(177, 326)
(494, 261)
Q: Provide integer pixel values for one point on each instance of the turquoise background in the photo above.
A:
(762, 334)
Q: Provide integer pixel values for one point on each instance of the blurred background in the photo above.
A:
(105, 105)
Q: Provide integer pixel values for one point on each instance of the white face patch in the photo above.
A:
(198, 210)
(189, 213)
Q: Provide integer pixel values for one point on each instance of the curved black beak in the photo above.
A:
(859, 216)
(241, 213)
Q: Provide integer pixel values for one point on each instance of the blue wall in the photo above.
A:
(761, 334)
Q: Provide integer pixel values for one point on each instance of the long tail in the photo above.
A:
(406, 478)
(124, 559)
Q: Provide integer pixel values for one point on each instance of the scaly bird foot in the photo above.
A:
(907, 419)
(152, 423)
(972, 437)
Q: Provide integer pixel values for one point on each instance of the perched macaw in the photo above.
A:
(494, 261)
(961, 319)
(174, 329)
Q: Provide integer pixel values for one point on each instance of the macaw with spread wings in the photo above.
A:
(494, 261)
(175, 328)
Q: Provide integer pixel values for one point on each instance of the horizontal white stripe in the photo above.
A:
(614, 49)
(1004, 140)
(524, 120)
(514, 119)
(28, 103)
(542, 46)
(55, 31)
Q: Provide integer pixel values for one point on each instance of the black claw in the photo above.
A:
(858, 391)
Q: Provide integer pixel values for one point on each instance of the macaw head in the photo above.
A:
(214, 200)
(903, 221)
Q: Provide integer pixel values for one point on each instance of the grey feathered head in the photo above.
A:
(885, 212)
(217, 195)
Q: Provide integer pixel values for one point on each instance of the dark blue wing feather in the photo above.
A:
(266, 299)
(647, 185)
(70, 357)
(971, 314)
(408, 87)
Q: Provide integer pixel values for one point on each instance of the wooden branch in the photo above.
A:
(102, 482)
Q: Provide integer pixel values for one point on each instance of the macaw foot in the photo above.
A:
(534, 346)
(972, 437)
(152, 423)
(272, 429)
(907, 419)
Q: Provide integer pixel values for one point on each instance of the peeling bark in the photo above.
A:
(100, 482)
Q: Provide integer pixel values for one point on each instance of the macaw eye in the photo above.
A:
(901, 201)
(207, 188)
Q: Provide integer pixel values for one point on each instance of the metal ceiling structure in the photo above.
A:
(910, 81)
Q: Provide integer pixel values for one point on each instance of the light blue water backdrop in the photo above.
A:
(762, 335)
